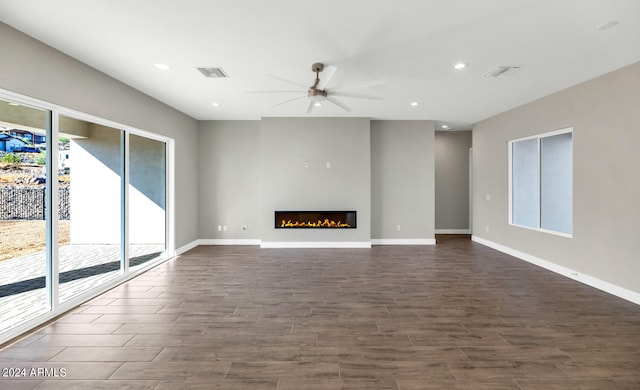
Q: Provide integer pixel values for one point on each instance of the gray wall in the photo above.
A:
(147, 161)
(37, 70)
(402, 179)
(605, 118)
(452, 179)
(286, 143)
(229, 168)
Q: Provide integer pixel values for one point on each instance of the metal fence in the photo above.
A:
(29, 203)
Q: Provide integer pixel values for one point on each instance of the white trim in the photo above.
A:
(538, 137)
(228, 241)
(315, 244)
(56, 308)
(124, 202)
(52, 245)
(620, 292)
(187, 247)
(560, 234)
(453, 231)
(544, 135)
(471, 190)
(170, 190)
(403, 241)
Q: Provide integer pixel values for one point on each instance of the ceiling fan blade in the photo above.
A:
(364, 84)
(338, 103)
(276, 91)
(288, 81)
(326, 76)
(287, 101)
(355, 95)
(310, 108)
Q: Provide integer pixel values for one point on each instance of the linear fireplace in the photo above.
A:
(315, 219)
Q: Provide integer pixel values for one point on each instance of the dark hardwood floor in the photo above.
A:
(453, 316)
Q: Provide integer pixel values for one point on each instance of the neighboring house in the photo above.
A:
(30, 136)
(64, 159)
(9, 143)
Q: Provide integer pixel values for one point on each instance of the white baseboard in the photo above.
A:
(315, 244)
(228, 241)
(453, 231)
(403, 241)
(187, 247)
(621, 292)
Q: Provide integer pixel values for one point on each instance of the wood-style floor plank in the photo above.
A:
(453, 316)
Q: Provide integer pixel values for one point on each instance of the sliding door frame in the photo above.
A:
(52, 244)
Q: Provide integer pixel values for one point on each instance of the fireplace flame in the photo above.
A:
(323, 224)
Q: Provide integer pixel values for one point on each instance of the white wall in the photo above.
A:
(605, 119)
(95, 187)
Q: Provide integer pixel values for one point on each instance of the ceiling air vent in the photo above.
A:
(502, 71)
(212, 72)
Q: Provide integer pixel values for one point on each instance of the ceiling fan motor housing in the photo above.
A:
(317, 94)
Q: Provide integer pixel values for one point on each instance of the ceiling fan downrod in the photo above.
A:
(314, 91)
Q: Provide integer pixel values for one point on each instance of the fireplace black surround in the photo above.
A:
(315, 219)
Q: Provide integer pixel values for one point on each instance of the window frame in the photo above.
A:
(538, 137)
(56, 307)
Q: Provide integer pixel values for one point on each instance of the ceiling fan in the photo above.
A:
(318, 92)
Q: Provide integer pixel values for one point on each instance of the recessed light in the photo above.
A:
(460, 65)
(445, 127)
(414, 104)
(215, 104)
(14, 104)
(317, 104)
(161, 66)
(607, 26)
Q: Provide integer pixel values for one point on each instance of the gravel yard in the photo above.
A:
(18, 238)
(23, 237)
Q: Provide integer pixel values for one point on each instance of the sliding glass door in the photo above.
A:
(83, 206)
(24, 282)
(90, 170)
(147, 200)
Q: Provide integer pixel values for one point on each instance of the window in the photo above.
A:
(541, 182)
(94, 213)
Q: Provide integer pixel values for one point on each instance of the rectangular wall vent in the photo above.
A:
(502, 71)
(212, 72)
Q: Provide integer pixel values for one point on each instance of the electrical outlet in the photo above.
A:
(328, 164)
(397, 227)
(486, 228)
(219, 228)
(306, 164)
(224, 228)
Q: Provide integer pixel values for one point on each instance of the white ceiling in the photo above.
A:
(411, 44)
